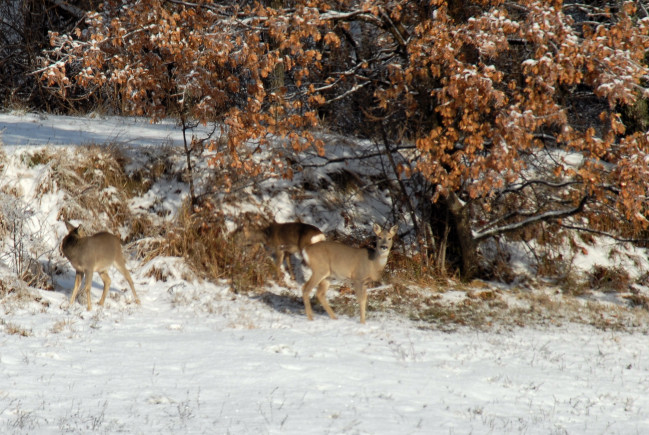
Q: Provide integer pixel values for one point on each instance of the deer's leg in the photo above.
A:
(306, 292)
(279, 259)
(321, 295)
(122, 269)
(88, 284)
(289, 266)
(106, 279)
(77, 284)
(361, 296)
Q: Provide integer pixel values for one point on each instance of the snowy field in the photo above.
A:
(196, 358)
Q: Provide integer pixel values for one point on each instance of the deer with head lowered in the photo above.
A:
(90, 254)
(284, 239)
(335, 260)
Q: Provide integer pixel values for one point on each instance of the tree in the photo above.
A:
(515, 110)
(500, 114)
(24, 27)
(197, 62)
(511, 139)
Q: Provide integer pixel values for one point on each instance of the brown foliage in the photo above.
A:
(200, 62)
(514, 108)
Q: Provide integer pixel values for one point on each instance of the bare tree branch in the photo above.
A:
(547, 216)
(71, 9)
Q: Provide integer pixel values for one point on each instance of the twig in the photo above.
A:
(553, 214)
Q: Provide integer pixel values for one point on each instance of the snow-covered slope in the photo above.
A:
(195, 357)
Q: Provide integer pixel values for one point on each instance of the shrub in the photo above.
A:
(609, 279)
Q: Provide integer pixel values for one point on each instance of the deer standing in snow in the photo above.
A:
(335, 260)
(90, 254)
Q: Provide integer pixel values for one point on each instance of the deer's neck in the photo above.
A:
(69, 242)
(378, 261)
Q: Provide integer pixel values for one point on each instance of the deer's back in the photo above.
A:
(97, 252)
(339, 260)
(293, 236)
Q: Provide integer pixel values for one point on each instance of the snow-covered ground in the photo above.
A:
(196, 358)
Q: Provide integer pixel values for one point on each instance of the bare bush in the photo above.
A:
(25, 245)
(201, 238)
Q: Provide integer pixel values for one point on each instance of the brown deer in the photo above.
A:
(92, 254)
(282, 239)
(335, 260)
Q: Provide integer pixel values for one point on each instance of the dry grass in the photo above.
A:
(609, 279)
(481, 306)
(97, 187)
(200, 237)
(13, 329)
(92, 178)
(413, 269)
(638, 300)
(16, 294)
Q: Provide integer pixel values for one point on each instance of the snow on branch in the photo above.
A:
(549, 215)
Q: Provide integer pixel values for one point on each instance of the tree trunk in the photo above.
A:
(468, 246)
(278, 75)
(188, 156)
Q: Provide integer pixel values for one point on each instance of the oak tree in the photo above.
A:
(502, 114)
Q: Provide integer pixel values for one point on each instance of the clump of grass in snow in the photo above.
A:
(199, 235)
(609, 279)
(16, 294)
(97, 185)
(14, 329)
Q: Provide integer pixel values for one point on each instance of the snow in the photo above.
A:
(195, 357)
(172, 371)
(35, 129)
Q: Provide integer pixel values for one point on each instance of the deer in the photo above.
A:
(90, 254)
(284, 239)
(329, 259)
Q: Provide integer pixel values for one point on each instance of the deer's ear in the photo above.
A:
(393, 230)
(69, 226)
(377, 229)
